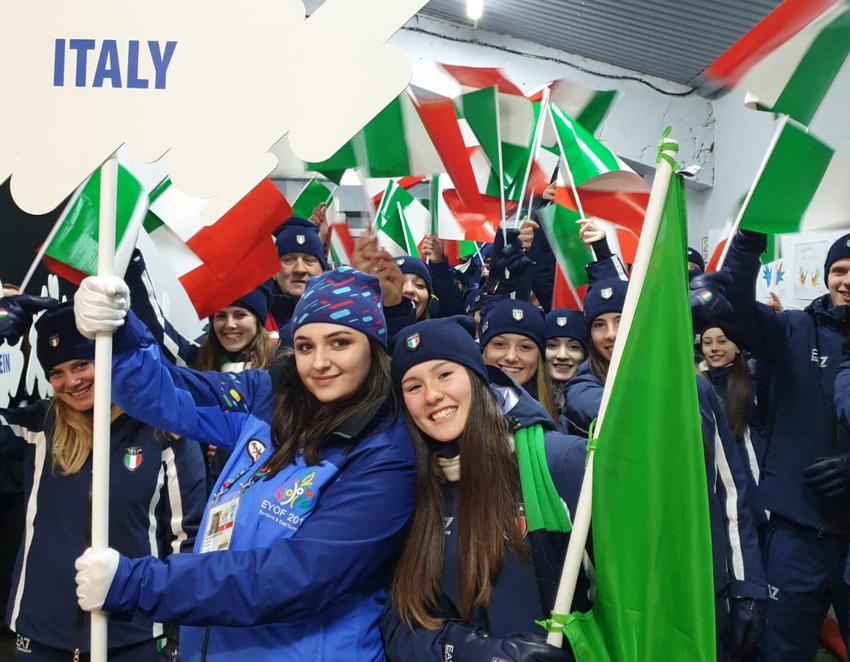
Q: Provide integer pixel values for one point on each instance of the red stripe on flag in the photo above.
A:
(341, 230)
(714, 260)
(628, 241)
(765, 36)
(479, 223)
(405, 182)
(63, 270)
(623, 208)
(481, 77)
(562, 296)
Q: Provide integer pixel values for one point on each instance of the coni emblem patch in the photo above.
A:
(133, 458)
(412, 342)
(518, 314)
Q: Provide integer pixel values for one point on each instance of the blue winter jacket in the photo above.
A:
(803, 349)
(156, 499)
(737, 560)
(523, 591)
(305, 572)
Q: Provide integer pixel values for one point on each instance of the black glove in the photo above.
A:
(461, 644)
(750, 241)
(707, 296)
(748, 616)
(16, 314)
(508, 260)
(828, 476)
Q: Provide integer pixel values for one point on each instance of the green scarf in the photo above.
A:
(543, 507)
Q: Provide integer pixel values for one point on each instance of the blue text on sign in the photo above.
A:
(108, 67)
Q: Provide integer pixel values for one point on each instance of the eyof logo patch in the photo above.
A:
(255, 449)
(300, 239)
(607, 293)
(133, 458)
(518, 314)
(297, 493)
(561, 321)
(412, 341)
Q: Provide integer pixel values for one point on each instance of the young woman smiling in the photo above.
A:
(484, 551)
(511, 338)
(156, 500)
(312, 504)
(566, 350)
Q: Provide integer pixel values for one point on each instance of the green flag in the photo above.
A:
(560, 227)
(401, 221)
(312, 195)
(652, 542)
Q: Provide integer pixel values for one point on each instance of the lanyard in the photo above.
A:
(262, 472)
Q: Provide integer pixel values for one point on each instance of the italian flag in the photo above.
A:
(342, 244)
(802, 186)
(560, 227)
(401, 222)
(217, 257)
(394, 144)
(451, 220)
(788, 61)
(648, 470)
(313, 194)
(589, 107)
(72, 251)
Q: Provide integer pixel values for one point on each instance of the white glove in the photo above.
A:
(95, 571)
(100, 305)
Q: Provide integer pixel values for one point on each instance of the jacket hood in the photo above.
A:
(522, 409)
(824, 309)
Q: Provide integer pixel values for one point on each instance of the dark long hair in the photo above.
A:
(597, 364)
(301, 424)
(736, 395)
(486, 515)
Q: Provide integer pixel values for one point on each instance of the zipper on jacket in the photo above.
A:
(204, 645)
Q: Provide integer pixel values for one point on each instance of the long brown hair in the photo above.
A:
(736, 395)
(544, 390)
(486, 515)
(259, 352)
(301, 424)
(73, 436)
(597, 364)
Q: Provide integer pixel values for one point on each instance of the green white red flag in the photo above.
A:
(217, 258)
(313, 194)
(802, 186)
(560, 227)
(401, 222)
(789, 59)
(72, 251)
(589, 107)
(342, 244)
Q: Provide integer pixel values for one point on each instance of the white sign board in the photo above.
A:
(213, 83)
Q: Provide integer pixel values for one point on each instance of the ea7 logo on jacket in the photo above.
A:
(817, 358)
(297, 493)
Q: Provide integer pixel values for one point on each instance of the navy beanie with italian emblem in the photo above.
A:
(300, 236)
(606, 296)
(58, 339)
(840, 250)
(413, 265)
(513, 316)
(445, 339)
(696, 257)
(566, 323)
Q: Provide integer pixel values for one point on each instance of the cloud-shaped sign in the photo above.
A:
(212, 82)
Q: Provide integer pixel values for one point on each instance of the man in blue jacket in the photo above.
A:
(804, 478)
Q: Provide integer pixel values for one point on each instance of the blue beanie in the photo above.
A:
(257, 302)
(413, 265)
(696, 257)
(605, 296)
(447, 339)
(300, 236)
(513, 316)
(346, 297)
(566, 323)
(58, 339)
(840, 250)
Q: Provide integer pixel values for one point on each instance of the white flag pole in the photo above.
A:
(581, 523)
(536, 142)
(103, 395)
(501, 170)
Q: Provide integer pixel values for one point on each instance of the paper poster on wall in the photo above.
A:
(808, 261)
(774, 277)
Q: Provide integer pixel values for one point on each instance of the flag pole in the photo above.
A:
(581, 521)
(46, 244)
(536, 141)
(501, 171)
(103, 395)
(567, 165)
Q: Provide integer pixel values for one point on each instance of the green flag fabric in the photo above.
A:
(401, 222)
(650, 522)
(560, 227)
(312, 195)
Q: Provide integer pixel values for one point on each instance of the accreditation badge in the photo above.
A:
(220, 523)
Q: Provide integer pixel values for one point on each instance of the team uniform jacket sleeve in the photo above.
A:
(442, 277)
(398, 317)
(207, 406)
(144, 303)
(744, 558)
(543, 269)
(183, 496)
(403, 644)
(755, 327)
(346, 543)
(18, 427)
(842, 387)
(583, 397)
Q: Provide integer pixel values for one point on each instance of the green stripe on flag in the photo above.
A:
(595, 111)
(815, 72)
(787, 184)
(385, 145)
(479, 109)
(312, 195)
(334, 167)
(562, 231)
(585, 156)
